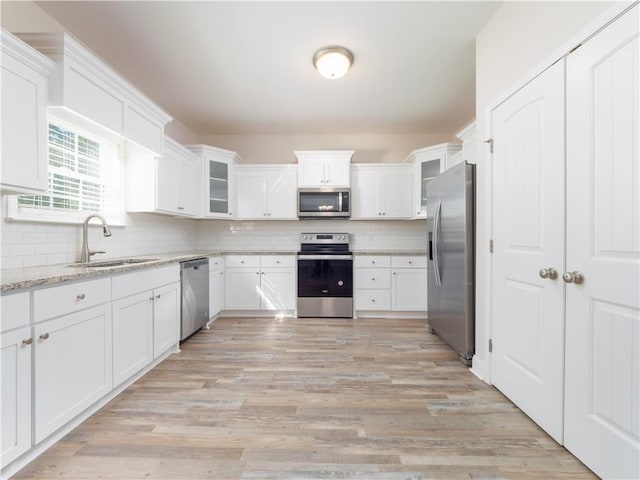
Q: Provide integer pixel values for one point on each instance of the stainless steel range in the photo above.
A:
(325, 275)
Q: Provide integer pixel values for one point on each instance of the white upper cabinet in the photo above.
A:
(381, 192)
(168, 184)
(24, 117)
(324, 168)
(85, 85)
(429, 162)
(266, 192)
(217, 193)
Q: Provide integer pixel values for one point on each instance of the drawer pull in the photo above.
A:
(151, 299)
(80, 297)
(44, 337)
(373, 279)
(409, 262)
(277, 261)
(27, 341)
(373, 300)
(157, 297)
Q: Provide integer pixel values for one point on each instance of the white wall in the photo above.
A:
(372, 148)
(270, 236)
(515, 42)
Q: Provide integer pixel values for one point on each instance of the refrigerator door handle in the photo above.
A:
(436, 243)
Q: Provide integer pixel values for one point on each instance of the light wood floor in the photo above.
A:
(309, 398)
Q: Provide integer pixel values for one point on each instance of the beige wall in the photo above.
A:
(519, 38)
(371, 148)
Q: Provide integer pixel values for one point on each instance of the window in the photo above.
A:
(84, 176)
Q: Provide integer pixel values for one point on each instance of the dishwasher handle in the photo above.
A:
(195, 264)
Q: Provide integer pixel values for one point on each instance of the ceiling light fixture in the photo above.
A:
(332, 62)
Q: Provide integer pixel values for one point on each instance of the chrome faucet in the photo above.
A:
(85, 253)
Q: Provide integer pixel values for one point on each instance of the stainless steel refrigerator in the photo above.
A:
(450, 255)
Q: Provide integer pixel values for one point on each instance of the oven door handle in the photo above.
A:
(325, 257)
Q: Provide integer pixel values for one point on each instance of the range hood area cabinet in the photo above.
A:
(25, 74)
(166, 184)
(324, 168)
(427, 163)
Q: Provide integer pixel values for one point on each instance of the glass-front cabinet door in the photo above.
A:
(218, 188)
(428, 163)
(217, 198)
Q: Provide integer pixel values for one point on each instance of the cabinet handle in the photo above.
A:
(418, 212)
(180, 208)
(44, 336)
(27, 341)
(157, 297)
(373, 300)
(151, 299)
(394, 273)
(241, 261)
(409, 262)
(80, 297)
(373, 279)
(257, 273)
(373, 262)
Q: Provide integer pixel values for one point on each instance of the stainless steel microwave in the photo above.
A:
(324, 202)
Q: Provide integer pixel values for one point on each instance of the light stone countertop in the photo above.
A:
(15, 279)
(394, 253)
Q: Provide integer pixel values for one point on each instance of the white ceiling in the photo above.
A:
(245, 67)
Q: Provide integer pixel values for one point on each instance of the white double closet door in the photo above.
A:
(568, 352)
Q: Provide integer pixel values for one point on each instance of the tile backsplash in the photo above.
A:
(27, 244)
(284, 235)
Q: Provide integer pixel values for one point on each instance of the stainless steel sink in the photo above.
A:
(113, 263)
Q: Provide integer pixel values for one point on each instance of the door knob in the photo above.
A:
(573, 277)
(550, 273)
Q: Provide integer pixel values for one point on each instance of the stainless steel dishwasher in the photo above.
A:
(194, 275)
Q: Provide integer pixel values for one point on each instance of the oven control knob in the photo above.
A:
(340, 283)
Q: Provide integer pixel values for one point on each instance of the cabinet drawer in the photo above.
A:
(409, 261)
(216, 263)
(15, 311)
(241, 261)
(376, 261)
(55, 301)
(373, 278)
(372, 299)
(276, 261)
(141, 280)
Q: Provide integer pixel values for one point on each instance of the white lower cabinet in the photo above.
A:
(132, 335)
(241, 289)
(390, 283)
(146, 318)
(166, 318)
(216, 285)
(72, 366)
(372, 281)
(409, 289)
(254, 282)
(16, 393)
(65, 347)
